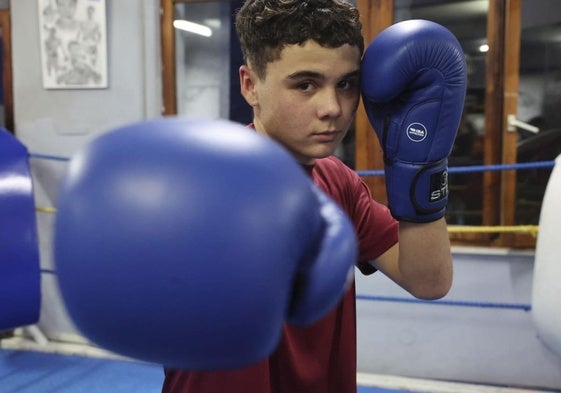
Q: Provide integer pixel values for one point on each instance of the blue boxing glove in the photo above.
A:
(20, 274)
(413, 87)
(190, 243)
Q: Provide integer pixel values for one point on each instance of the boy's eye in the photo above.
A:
(348, 84)
(305, 86)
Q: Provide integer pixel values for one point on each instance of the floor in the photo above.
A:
(27, 371)
(24, 371)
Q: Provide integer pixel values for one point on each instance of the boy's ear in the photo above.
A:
(247, 83)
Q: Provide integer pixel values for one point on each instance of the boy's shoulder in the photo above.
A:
(335, 176)
(334, 166)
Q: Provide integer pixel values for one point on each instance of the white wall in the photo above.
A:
(58, 122)
(486, 345)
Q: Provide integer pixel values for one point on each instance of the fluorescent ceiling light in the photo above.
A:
(192, 27)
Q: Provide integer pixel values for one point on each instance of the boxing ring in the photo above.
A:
(498, 326)
(502, 313)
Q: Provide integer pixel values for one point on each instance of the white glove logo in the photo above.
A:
(416, 132)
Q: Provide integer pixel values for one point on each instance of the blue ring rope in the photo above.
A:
(457, 303)
(48, 157)
(478, 168)
(380, 172)
(502, 167)
(509, 306)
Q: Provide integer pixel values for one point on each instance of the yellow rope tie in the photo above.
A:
(45, 209)
(531, 229)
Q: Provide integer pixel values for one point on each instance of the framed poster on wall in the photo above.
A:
(73, 44)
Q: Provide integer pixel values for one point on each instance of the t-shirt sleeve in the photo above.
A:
(377, 230)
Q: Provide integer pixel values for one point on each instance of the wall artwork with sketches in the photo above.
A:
(73, 37)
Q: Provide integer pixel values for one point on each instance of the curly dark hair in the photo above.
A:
(265, 27)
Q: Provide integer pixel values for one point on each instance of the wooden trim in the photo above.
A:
(511, 72)
(494, 87)
(7, 76)
(376, 15)
(521, 240)
(169, 95)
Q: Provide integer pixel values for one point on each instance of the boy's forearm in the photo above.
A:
(425, 259)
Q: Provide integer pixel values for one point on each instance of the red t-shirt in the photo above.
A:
(320, 358)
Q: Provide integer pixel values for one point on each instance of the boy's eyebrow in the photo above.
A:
(352, 74)
(317, 75)
(305, 74)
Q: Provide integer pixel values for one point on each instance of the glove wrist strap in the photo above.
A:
(417, 193)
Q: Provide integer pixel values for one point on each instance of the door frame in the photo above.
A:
(7, 75)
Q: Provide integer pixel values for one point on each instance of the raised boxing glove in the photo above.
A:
(413, 87)
(190, 243)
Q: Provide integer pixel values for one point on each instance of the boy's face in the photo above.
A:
(308, 98)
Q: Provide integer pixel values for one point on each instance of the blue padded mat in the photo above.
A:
(36, 372)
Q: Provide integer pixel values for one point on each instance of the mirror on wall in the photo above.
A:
(202, 45)
(202, 57)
